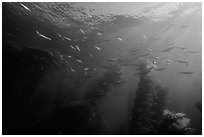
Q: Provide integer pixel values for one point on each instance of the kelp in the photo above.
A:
(101, 86)
(23, 71)
(151, 99)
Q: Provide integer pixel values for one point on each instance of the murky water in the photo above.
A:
(88, 68)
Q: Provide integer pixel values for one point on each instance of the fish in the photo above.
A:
(154, 62)
(149, 49)
(168, 44)
(72, 69)
(25, 6)
(180, 47)
(150, 65)
(72, 47)
(169, 61)
(59, 35)
(86, 69)
(89, 69)
(157, 58)
(119, 38)
(43, 36)
(159, 69)
(186, 72)
(133, 50)
(193, 51)
(78, 48)
(90, 55)
(78, 60)
(120, 82)
(97, 48)
(182, 61)
(69, 56)
(99, 34)
(179, 54)
(67, 38)
(82, 31)
(183, 26)
(112, 60)
(61, 56)
(145, 37)
(163, 58)
(181, 4)
(64, 37)
(85, 38)
(145, 54)
(168, 49)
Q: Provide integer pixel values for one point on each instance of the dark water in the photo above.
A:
(89, 68)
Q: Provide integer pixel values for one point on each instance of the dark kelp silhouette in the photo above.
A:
(101, 87)
(23, 68)
(148, 113)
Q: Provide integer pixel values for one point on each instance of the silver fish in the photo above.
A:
(120, 82)
(43, 36)
(67, 38)
(82, 31)
(89, 69)
(78, 48)
(168, 44)
(91, 55)
(159, 69)
(69, 56)
(97, 48)
(72, 69)
(180, 47)
(157, 58)
(168, 49)
(145, 37)
(169, 61)
(72, 47)
(183, 26)
(25, 7)
(181, 4)
(86, 69)
(78, 60)
(120, 39)
(112, 60)
(133, 50)
(99, 34)
(145, 54)
(193, 51)
(185, 72)
(182, 61)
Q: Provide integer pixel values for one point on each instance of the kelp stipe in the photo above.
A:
(149, 103)
(101, 87)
